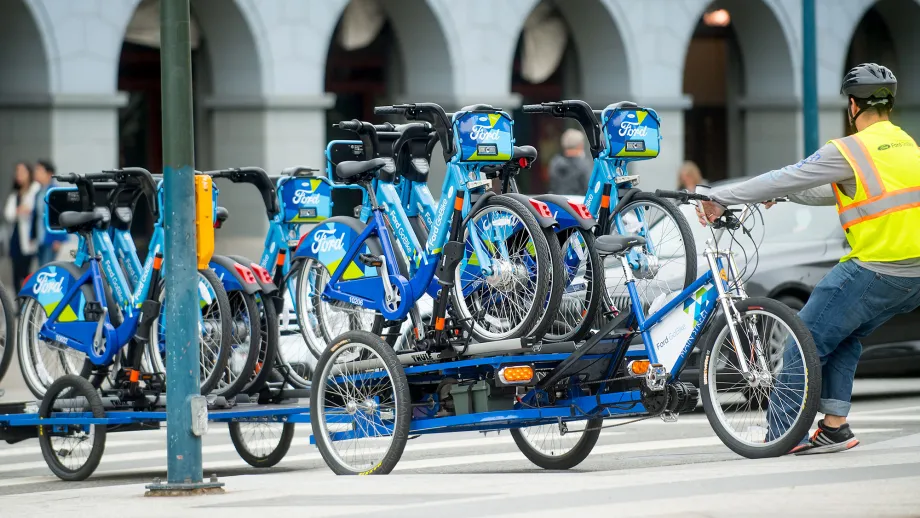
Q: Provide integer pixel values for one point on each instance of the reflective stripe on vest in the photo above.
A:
(879, 201)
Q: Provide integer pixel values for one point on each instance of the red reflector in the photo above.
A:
(542, 208)
(245, 273)
(261, 273)
(522, 162)
(581, 210)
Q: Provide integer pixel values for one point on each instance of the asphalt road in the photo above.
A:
(888, 410)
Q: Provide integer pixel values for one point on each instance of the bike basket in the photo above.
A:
(339, 151)
(484, 137)
(64, 199)
(633, 133)
(305, 200)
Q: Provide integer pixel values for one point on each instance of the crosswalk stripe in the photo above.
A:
(27, 450)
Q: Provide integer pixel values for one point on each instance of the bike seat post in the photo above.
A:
(371, 195)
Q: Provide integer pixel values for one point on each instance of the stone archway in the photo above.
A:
(558, 57)
(25, 118)
(886, 34)
(740, 72)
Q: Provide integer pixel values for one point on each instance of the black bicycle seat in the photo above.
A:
(222, 214)
(73, 220)
(349, 170)
(528, 152)
(615, 244)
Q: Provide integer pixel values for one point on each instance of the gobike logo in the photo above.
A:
(302, 197)
(632, 129)
(325, 241)
(485, 133)
(45, 283)
(443, 207)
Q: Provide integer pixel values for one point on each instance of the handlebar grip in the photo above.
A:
(678, 195)
(385, 127)
(66, 178)
(98, 176)
(388, 110)
(352, 125)
(533, 108)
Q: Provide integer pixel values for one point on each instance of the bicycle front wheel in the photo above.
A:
(785, 377)
(506, 302)
(666, 263)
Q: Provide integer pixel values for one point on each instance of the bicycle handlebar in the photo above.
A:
(682, 196)
(431, 113)
(578, 110)
(257, 177)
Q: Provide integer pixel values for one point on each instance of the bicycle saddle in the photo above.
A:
(350, 169)
(528, 152)
(73, 220)
(222, 214)
(615, 244)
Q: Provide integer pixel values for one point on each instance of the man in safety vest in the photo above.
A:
(873, 177)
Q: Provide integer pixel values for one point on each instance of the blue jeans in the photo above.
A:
(849, 303)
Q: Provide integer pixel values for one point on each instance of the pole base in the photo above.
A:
(187, 488)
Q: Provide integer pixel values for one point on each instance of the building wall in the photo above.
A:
(265, 104)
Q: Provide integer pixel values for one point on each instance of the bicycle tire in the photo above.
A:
(811, 369)
(578, 453)
(8, 346)
(686, 235)
(557, 286)
(255, 459)
(541, 283)
(235, 385)
(67, 387)
(268, 326)
(402, 411)
(595, 288)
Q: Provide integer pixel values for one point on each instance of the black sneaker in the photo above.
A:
(831, 440)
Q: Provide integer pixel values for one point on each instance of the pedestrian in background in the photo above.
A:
(48, 243)
(569, 172)
(20, 214)
(689, 176)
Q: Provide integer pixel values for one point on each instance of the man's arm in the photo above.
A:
(821, 169)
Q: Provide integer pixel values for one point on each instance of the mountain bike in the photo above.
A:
(78, 316)
(503, 265)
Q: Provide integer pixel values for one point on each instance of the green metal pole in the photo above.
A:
(809, 77)
(182, 330)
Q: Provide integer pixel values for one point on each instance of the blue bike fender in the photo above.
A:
(565, 213)
(543, 220)
(51, 282)
(232, 280)
(329, 242)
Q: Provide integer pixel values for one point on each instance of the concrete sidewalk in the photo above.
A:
(881, 479)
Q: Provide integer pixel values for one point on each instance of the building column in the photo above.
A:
(772, 135)
(271, 133)
(831, 118)
(661, 172)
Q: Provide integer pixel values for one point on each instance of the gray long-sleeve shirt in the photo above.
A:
(809, 183)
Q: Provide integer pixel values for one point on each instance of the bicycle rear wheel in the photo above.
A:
(268, 350)
(787, 389)
(667, 263)
(583, 290)
(507, 302)
(7, 343)
(245, 344)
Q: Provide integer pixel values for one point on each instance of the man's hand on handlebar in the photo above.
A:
(708, 212)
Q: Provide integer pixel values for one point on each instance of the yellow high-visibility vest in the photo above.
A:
(882, 220)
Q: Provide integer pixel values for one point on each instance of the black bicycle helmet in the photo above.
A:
(870, 80)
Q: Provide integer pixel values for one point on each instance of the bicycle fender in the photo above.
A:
(50, 283)
(329, 242)
(267, 287)
(232, 280)
(523, 199)
(565, 214)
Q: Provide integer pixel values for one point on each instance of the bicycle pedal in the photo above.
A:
(669, 417)
(370, 260)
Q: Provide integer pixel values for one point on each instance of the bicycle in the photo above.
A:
(87, 306)
(617, 135)
(366, 400)
(355, 264)
(7, 332)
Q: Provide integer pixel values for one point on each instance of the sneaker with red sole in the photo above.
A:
(830, 440)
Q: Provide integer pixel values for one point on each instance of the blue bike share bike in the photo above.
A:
(503, 265)
(78, 317)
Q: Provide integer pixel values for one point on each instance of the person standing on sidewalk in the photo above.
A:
(569, 172)
(48, 243)
(873, 177)
(20, 213)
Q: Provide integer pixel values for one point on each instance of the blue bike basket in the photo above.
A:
(484, 137)
(305, 200)
(633, 133)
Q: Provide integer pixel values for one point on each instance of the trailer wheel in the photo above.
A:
(261, 444)
(72, 451)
